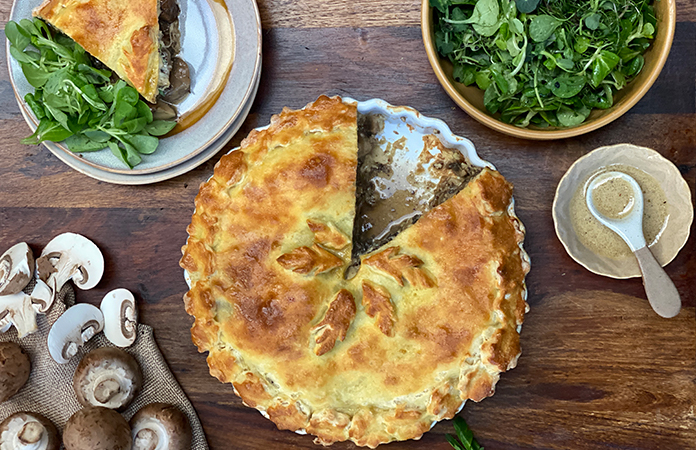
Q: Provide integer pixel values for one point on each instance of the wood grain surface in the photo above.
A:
(598, 370)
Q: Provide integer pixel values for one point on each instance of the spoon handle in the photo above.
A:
(662, 294)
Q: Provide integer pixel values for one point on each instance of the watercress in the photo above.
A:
(545, 62)
(78, 103)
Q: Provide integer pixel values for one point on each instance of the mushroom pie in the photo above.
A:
(370, 345)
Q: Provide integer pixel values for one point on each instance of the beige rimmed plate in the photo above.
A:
(221, 42)
(680, 212)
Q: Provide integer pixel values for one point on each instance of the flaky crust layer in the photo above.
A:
(429, 321)
(122, 34)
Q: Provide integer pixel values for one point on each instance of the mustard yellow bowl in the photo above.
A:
(470, 98)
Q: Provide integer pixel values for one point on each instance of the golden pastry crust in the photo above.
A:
(429, 321)
(122, 34)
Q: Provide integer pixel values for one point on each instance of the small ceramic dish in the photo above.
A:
(680, 211)
(470, 98)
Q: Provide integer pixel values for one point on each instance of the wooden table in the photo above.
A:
(599, 370)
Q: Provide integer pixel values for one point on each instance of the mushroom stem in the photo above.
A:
(106, 390)
(31, 433)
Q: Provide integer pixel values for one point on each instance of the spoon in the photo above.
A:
(628, 223)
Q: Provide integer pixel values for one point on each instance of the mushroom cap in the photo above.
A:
(153, 421)
(107, 377)
(97, 428)
(31, 429)
(71, 256)
(16, 268)
(74, 327)
(120, 317)
(15, 368)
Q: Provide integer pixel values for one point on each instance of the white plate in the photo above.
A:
(214, 33)
(677, 192)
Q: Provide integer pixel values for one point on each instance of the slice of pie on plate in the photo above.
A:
(124, 35)
(428, 320)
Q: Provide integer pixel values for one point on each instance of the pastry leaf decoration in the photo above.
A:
(327, 235)
(334, 326)
(400, 267)
(377, 302)
(303, 260)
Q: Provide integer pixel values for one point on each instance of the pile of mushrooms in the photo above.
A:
(106, 380)
(68, 256)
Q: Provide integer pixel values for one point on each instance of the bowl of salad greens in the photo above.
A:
(547, 69)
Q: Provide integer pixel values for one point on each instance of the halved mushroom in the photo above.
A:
(97, 428)
(107, 377)
(120, 317)
(70, 256)
(15, 368)
(28, 431)
(41, 297)
(17, 310)
(76, 326)
(16, 269)
(159, 426)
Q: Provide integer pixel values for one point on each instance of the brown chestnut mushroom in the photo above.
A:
(107, 377)
(97, 428)
(14, 369)
(28, 431)
(159, 426)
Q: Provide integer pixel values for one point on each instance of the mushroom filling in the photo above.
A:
(389, 200)
(174, 78)
(150, 434)
(109, 384)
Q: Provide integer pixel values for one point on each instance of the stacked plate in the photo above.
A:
(221, 42)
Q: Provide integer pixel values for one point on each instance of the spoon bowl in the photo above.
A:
(628, 223)
(624, 216)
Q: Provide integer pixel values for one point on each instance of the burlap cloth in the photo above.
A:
(49, 390)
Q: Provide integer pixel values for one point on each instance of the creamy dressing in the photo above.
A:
(613, 199)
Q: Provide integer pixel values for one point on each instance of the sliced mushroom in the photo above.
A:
(17, 310)
(76, 326)
(97, 428)
(159, 426)
(120, 317)
(70, 256)
(107, 377)
(41, 297)
(15, 368)
(28, 431)
(16, 269)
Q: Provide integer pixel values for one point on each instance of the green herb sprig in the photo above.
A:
(545, 62)
(466, 436)
(76, 102)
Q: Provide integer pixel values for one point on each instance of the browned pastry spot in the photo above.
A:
(377, 303)
(335, 323)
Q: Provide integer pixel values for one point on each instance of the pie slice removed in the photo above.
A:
(429, 320)
(122, 34)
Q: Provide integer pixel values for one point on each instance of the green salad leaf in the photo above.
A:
(76, 101)
(465, 437)
(545, 63)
